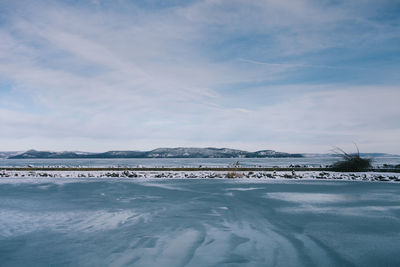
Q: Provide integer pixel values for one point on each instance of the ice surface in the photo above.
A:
(315, 161)
(198, 222)
(306, 197)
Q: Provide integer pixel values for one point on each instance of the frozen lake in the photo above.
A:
(198, 222)
(190, 162)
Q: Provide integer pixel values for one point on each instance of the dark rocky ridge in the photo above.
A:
(179, 152)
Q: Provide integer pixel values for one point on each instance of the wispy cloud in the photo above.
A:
(246, 74)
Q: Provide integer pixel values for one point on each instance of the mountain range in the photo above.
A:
(179, 152)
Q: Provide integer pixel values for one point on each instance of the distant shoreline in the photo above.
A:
(159, 153)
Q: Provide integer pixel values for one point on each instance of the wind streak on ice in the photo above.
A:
(198, 223)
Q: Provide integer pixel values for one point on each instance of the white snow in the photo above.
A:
(253, 176)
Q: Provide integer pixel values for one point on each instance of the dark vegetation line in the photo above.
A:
(396, 170)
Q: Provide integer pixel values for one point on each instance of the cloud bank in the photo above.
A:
(299, 77)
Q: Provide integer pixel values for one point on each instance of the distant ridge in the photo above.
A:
(7, 154)
(179, 152)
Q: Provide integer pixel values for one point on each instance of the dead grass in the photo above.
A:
(351, 162)
(234, 175)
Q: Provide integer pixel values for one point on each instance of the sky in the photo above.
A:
(292, 76)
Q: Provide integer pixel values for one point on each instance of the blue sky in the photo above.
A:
(295, 76)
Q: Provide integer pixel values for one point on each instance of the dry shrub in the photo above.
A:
(351, 162)
(234, 175)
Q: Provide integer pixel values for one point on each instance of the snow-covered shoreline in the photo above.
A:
(264, 175)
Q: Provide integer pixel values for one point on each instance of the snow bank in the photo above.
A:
(254, 175)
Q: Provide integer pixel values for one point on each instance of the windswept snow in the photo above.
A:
(51, 221)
